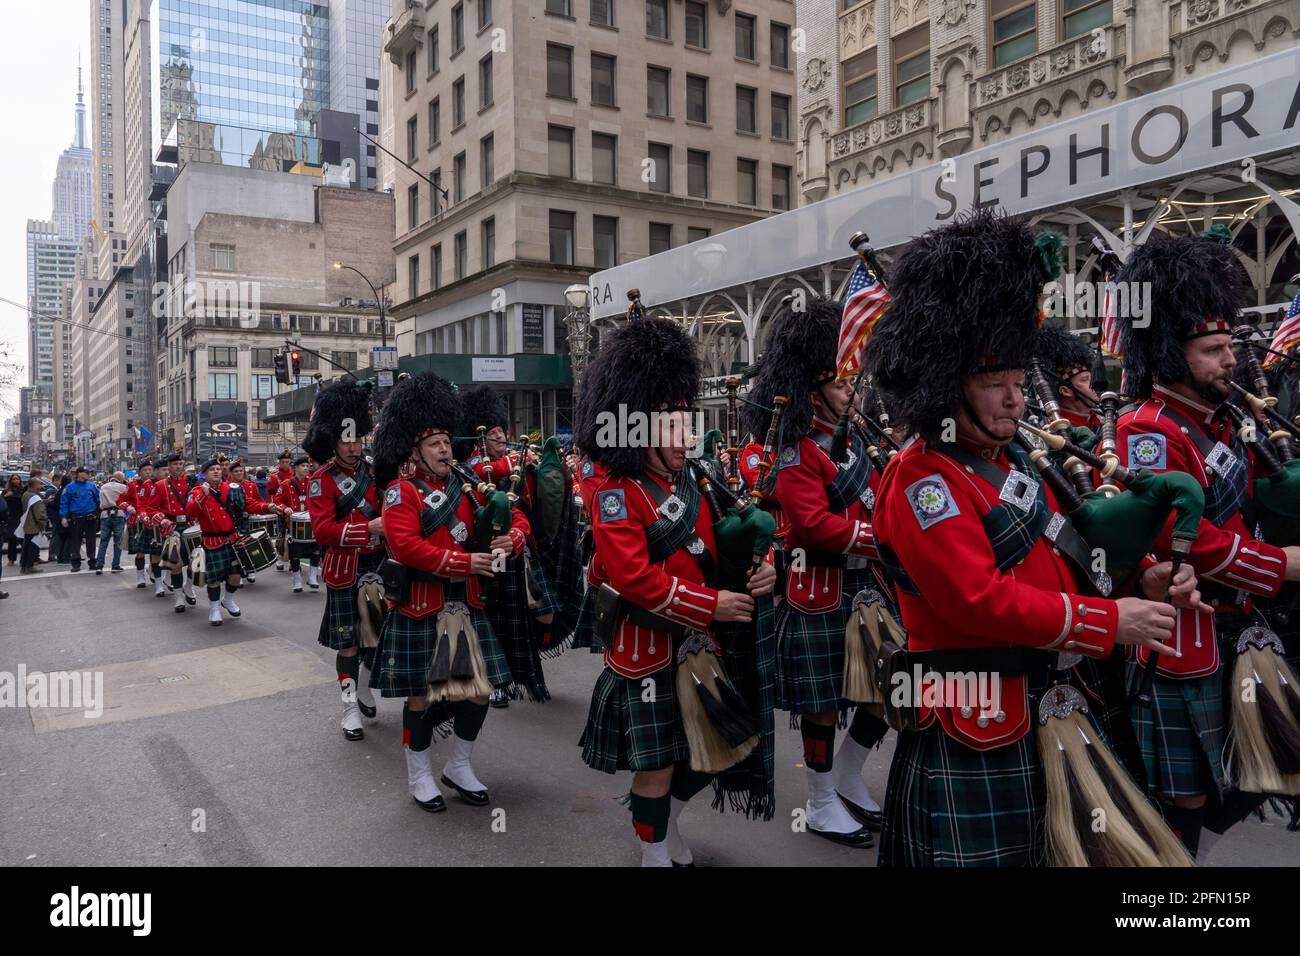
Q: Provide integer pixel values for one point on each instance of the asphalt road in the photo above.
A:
(221, 746)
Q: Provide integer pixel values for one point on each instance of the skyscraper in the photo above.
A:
(72, 194)
(51, 262)
(107, 17)
(355, 28)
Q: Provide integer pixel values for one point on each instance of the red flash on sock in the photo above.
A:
(644, 830)
(814, 751)
(406, 736)
(343, 677)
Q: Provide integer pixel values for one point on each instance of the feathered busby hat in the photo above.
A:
(798, 357)
(336, 404)
(1194, 287)
(1062, 353)
(966, 300)
(480, 405)
(646, 365)
(416, 407)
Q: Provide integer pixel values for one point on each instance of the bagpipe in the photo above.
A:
(1276, 498)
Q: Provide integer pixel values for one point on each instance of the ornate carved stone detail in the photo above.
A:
(815, 75)
(857, 30)
(953, 13)
(1199, 11)
(902, 18)
(892, 125)
(1082, 53)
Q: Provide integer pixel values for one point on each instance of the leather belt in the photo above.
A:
(639, 616)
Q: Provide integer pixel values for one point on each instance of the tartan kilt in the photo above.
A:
(561, 557)
(338, 625)
(539, 582)
(749, 655)
(584, 630)
(1181, 734)
(220, 562)
(406, 649)
(810, 652)
(626, 732)
(949, 805)
(514, 626)
(133, 545)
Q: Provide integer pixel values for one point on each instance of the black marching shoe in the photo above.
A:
(476, 798)
(858, 839)
(871, 819)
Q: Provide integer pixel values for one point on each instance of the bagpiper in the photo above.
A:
(166, 505)
(1178, 366)
(1067, 361)
(437, 648)
(986, 570)
(142, 541)
(654, 553)
(291, 495)
(343, 501)
(284, 472)
(828, 544)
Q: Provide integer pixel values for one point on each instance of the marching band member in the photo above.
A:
(284, 472)
(1067, 360)
(345, 520)
(292, 496)
(429, 524)
(654, 539)
(242, 491)
(133, 501)
(167, 505)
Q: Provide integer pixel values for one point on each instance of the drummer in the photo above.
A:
(217, 506)
(292, 497)
(244, 489)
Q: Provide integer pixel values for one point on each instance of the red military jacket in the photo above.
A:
(344, 537)
(291, 494)
(134, 497)
(750, 458)
(218, 528)
(276, 480)
(1150, 438)
(1082, 419)
(168, 500)
(440, 553)
(929, 514)
(806, 472)
(673, 588)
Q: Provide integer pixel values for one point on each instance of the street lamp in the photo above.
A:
(577, 324)
(112, 452)
(383, 327)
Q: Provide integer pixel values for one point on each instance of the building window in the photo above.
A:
(1015, 30)
(436, 200)
(604, 161)
(661, 168)
(912, 66)
(411, 138)
(656, 18)
(697, 99)
(746, 119)
(657, 91)
(433, 50)
(485, 82)
(602, 80)
(223, 257)
(602, 12)
(487, 160)
(780, 116)
(435, 267)
(697, 173)
(559, 7)
(560, 160)
(458, 104)
(605, 237)
(697, 24)
(489, 243)
(413, 274)
(221, 357)
(410, 71)
(746, 31)
(224, 384)
(484, 13)
(1084, 16)
(661, 237)
(696, 233)
(457, 28)
(780, 187)
(435, 122)
(562, 238)
(559, 70)
(262, 358)
(860, 100)
(747, 182)
(458, 178)
(413, 206)
(347, 359)
(462, 254)
(780, 45)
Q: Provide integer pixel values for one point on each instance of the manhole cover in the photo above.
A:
(174, 679)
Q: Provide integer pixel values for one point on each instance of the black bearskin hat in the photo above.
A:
(1061, 353)
(965, 300)
(416, 406)
(1194, 287)
(336, 403)
(799, 355)
(645, 365)
(480, 405)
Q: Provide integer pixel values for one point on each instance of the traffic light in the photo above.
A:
(296, 357)
(282, 375)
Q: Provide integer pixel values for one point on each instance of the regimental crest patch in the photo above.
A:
(752, 461)
(932, 501)
(613, 507)
(789, 456)
(869, 499)
(1147, 451)
(313, 490)
(588, 469)
(393, 495)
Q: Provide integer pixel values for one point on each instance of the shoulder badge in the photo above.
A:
(931, 500)
(613, 507)
(313, 490)
(1147, 451)
(588, 469)
(752, 461)
(393, 496)
(789, 456)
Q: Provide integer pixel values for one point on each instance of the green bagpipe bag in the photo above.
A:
(1277, 505)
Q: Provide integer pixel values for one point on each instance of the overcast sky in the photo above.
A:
(39, 43)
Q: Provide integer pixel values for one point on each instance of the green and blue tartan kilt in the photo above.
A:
(220, 562)
(626, 732)
(517, 631)
(749, 656)
(810, 653)
(1181, 734)
(562, 559)
(406, 649)
(133, 545)
(539, 583)
(584, 630)
(338, 625)
(949, 805)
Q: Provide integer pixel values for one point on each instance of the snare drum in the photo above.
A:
(191, 541)
(254, 552)
(268, 523)
(301, 542)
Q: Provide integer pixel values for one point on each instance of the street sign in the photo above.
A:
(385, 378)
(384, 357)
(492, 369)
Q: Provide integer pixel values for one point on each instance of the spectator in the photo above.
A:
(79, 516)
(112, 521)
(33, 524)
(261, 482)
(58, 537)
(4, 522)
(13, 499)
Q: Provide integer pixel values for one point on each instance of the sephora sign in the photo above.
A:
(1229, 118)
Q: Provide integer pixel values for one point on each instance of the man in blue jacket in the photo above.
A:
(79, 514)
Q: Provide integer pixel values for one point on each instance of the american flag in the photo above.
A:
(1287, 333)
(863, 306)
(1109, 327)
